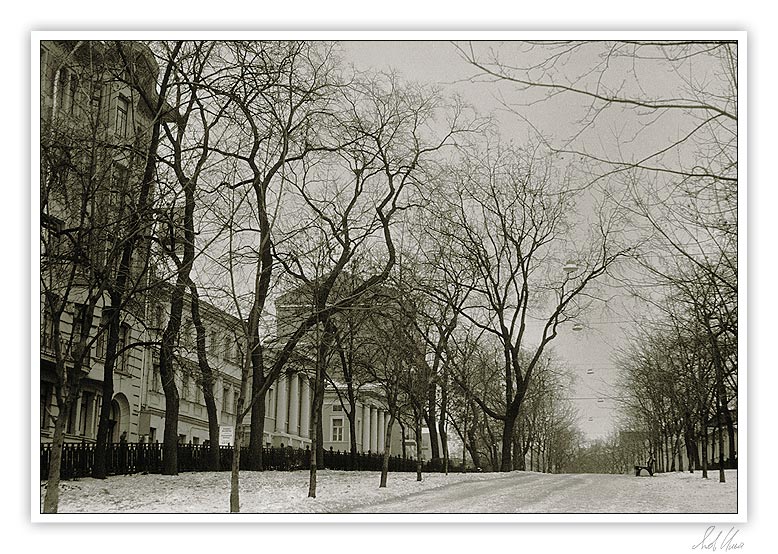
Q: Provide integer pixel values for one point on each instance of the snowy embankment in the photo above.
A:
(345, 492)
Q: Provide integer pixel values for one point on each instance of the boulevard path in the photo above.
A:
(521, 492)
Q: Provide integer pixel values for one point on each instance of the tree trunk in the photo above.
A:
(170, 437)
(235, 469)
(257, 432)
(418, 448)
(704, 447)
(525, 446)
(442, 421)
(720, 430)
(207, 381)
(352, 429)
(690, 443)
(51, 499)
(431, 421)
(387, 452)
(444, 444)
(507, 441)
(320, 430)
(402, 432)
(731, 436)
(317, 447)
(104, 422)
(472, 439)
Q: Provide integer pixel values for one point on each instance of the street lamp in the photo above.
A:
(570, 267)
(578, 327)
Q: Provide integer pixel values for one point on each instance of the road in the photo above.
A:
(516, 492)
(524, 492)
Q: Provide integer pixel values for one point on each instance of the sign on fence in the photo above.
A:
(226, 435)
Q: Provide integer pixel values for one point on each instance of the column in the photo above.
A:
(294, 405)
(305, 410)
(281, 401)
(381, 429)
(77, 415)
(365, 428)
(92, 431)
(373, 430)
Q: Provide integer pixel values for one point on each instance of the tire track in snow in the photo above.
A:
(512, 493)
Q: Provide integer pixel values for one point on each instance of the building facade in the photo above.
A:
(92, 126)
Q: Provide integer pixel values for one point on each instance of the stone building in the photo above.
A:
(93, 127)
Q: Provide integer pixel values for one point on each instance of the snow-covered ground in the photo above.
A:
(347, 492)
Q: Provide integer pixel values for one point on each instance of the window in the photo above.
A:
(337, 429)
(46, 389)
(71, 109)
(65, 90)
(160, 316)
(269, 405)
(195, 440)
(213, 344)
(80, 323)
(198, 387)
(86, 403)
(228, 348)
(71, 427)
(47, 336)
(187, 334)
(122, 115)
(235, 397)
(337, 407)
(125, 333)
(152, 435)
(102, 338)
(120, 177)
(185, 386)
(156, 381)
(226, 399)
(181, 439)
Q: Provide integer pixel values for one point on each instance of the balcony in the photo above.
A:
(66, 349)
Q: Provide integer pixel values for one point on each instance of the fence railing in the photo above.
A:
(128, 458)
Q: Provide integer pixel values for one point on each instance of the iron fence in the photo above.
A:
(129, 458)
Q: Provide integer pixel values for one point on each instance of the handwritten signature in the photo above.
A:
(715, 539)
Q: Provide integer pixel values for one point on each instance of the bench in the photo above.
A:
(649, 468)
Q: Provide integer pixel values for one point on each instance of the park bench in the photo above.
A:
(649, 468)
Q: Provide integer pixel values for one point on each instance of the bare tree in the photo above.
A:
(186, 153)
(138, 221)
(512, 213)
(387, 146)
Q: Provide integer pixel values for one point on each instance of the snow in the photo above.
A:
(274, 492)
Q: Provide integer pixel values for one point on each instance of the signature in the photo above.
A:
(715, 539)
